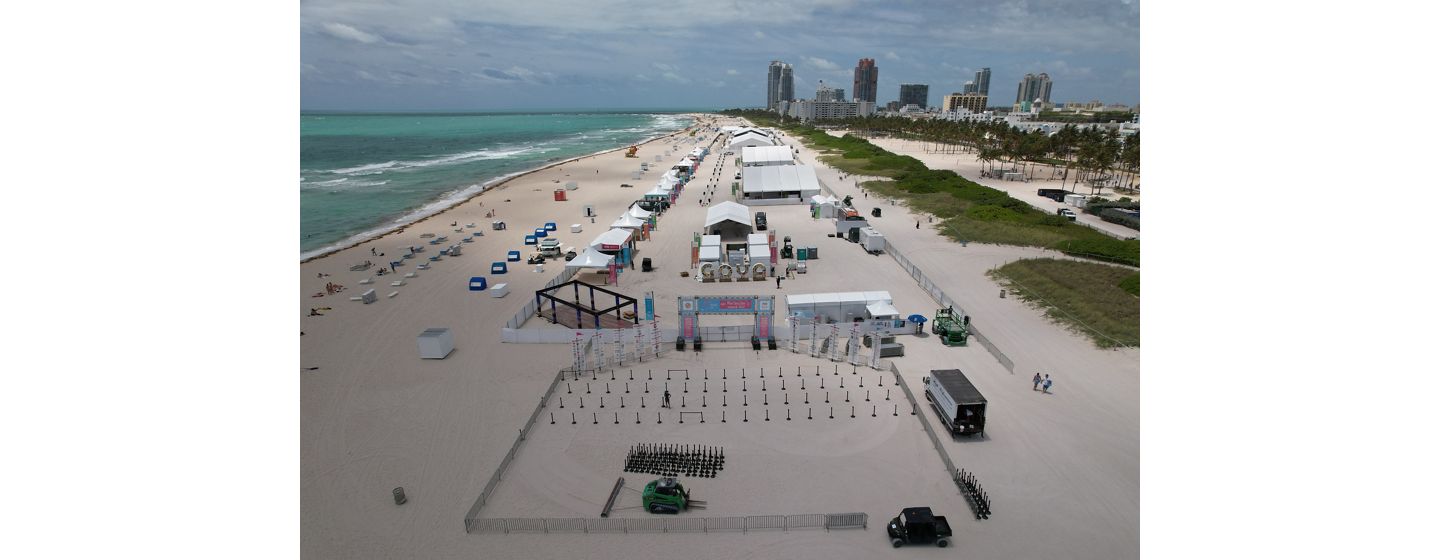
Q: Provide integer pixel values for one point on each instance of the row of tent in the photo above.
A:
(621, 231)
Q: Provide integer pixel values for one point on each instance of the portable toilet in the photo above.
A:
(549, 226)
(498, 267)
(477, 283)
(513, 256)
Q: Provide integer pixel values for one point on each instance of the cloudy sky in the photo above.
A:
(541, 54)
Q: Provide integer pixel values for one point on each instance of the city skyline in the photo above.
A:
(432, 55)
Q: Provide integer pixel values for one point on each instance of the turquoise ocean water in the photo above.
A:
(362, 174)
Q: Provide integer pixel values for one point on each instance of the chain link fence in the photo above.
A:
(827, 521)
(944, 300)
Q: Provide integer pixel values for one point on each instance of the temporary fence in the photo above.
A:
(925, 422)
(827, 521)
(530, 307)
(473, 515)
(945, 301)
(728, 333)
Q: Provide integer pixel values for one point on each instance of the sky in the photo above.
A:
(435, 55)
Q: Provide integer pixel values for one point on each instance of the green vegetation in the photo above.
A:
(1094, 299)
(1095, 117)
(968, 211)
(1131, 284)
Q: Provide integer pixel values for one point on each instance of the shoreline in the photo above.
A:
(491, 185)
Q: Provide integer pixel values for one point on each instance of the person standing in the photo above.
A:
(667, 399)
(917, 224)
(1046, 386)
(1035, 382)
(777, 282)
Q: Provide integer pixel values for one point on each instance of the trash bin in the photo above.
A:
(645, 264)
(875, 212)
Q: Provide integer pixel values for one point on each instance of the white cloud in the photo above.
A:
(759, 34)
(892, 56)
(732, 72)
(675, 78)
(342, 31)
(366, 75)
(821, 63)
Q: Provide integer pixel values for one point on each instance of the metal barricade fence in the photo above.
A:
(474, 513)
(944, 300)
(567, 525)
(764, 522)
(924, 421)
(805, 521)
(724, 524)
(846, 521)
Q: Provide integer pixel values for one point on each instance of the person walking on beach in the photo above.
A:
(372, 251)
(917, 224)
(777, 282)
(1035, 382)
(1047, 384)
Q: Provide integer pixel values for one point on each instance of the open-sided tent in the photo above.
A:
(612, 240)
(748, 141)
(591, 258)
(628, 221)
(639, 212)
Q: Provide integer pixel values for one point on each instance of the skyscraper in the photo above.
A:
(780, 85)
(969, 87)
(827, 93)
(1033, 87)
(982, 82)
(866, 77)
(914, 94)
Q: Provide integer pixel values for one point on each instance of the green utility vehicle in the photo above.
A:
(953, 329)
(667, 495)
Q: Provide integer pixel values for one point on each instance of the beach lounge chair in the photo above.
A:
(468, 240)
(392, 294)
(367, 281)
(422, 266)
(435, 258)
(409, 274)
(397, 283)
(445, 251)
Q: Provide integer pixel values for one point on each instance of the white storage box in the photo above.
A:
(435, 344)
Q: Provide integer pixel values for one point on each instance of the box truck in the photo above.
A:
(960, 405)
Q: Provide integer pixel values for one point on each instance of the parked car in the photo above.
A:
(1066, 213)
(760, 224)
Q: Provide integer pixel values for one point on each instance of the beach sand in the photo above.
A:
(1062, 469)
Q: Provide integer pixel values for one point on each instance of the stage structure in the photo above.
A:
(692, 307)
(586, 316)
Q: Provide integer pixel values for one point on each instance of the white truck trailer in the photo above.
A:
(960, 405)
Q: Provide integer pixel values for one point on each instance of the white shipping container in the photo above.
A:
(1077, 200)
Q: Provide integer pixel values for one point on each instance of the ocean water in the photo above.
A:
(362, 174)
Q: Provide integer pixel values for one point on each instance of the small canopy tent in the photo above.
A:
(628, 221)
(591, 258)
(611, 240)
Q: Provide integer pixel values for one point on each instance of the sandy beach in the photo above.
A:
(1062, 468)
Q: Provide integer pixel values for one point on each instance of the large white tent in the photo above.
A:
(729, 220)
(748, 141)
(767, 155)
(615, 238)
(591, 258)
(780, 181)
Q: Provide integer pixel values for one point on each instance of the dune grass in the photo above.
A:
(1089, 297)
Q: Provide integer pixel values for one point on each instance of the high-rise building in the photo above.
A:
(827, 93)
(915, 94)
(787, 83)
(969, 87)
(1033, 87)
(975, 102)
(780, 85)
(982, 82)
(867, 75)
